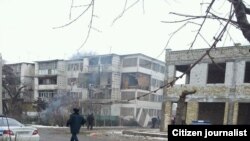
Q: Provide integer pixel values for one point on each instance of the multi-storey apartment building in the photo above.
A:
(25, 73)
(140, 76)
(106, 85)
(50, 78)
(221, 82)
(100, 81)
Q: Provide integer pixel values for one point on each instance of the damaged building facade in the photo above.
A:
(140, 76)
(221, 82)
(106, 85)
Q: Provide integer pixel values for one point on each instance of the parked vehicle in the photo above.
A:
(13, 130)
(201, 122)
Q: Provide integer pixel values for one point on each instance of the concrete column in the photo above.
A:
(231, 95)
(192, 112)
(166, 115)
(233, 110)
(235, 114)
(225, 113)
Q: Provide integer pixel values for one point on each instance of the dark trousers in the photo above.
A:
(74, 137)
(90, 126)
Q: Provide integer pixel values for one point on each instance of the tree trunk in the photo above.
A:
(241, 12)
(181, 107)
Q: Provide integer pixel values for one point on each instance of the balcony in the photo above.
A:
(98, 68)
(48, 87)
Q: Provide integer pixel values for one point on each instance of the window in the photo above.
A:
(180, 69)
(93, 61)
(127, 95)
(130, 62)
(163, 69)
(156, 67)
(145, 63)
(135, 81)
(106, 60)
(247, 73)
(143, 96)
(46, 93)
(47, 65)
(47, 80)
(216, 73)
(72, 81)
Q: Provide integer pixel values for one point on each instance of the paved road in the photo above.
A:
(62, 134)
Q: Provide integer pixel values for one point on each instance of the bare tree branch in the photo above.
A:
(91, 4)
(241, 15)
(172, 35)
(192, 17)
(207, 11)
(19, 91)
(72, 3)
(125, 9)
(90, 26)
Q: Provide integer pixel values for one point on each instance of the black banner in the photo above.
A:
(208, 132)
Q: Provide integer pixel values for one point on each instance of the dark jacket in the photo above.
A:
(75, 122)
(90, 119)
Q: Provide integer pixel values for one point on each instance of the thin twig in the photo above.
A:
(207, 11)
(72, 3)
(125, 9)
(76, 17)
(90, 25)
(172, 35)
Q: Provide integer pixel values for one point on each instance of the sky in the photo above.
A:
(28, 28)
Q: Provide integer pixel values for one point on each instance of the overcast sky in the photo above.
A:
(27, 34)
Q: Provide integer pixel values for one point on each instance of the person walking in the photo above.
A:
(75, 122)
(90, 120)
(154, 120)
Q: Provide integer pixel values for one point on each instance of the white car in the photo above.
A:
(13, 130)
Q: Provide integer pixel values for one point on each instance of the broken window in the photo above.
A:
(247, 73)
(93, 61)
(47, 80)
(216, 73)
(97, 93)
(72, 81)
(145, 63)
(74, 66)
(135, 81)
(85, 79)
(130, 62)
(106, 60)
(180, 69)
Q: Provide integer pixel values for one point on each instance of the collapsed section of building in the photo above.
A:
(221, 80)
